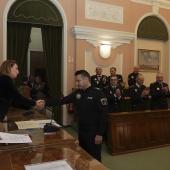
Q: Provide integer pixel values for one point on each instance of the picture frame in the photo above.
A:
(149, 60)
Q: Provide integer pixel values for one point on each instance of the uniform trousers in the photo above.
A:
(86, 136)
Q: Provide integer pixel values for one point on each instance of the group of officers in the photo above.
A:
(113, 87)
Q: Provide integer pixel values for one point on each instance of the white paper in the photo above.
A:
(55, 165)
(41, 123)
(27, 124)
(14, 138)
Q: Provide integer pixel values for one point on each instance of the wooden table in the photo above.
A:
(75, 156)
(37, 135)
(44, 147)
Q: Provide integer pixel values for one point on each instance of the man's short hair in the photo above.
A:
(84, 73)
(113, 68)
(113, 76)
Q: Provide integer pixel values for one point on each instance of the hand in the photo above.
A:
(104, 79)
(117, 93)
(98, 139)
(0, 138)
(40, 104)
(165, 89)
(123, 84)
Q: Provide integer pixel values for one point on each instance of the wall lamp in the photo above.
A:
(105, 50)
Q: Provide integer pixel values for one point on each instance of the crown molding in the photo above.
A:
(159, 3)
(96, 36)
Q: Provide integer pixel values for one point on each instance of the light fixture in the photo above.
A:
(105, 50)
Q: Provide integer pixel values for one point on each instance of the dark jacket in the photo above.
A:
(138, 102)
(159, 98)
(132, 79)
(113, 101)
(98, 84)
(9, 94)
(91, 105)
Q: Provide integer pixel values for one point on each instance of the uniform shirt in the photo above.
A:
(135, 93)
(91, 105)
(98, 84)
(113, 101)
(159, 98)
(9, 95)
(132, 79)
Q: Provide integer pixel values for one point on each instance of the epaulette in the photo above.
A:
(131, 86)
(97, 88)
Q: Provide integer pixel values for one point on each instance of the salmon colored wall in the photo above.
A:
(75, 15)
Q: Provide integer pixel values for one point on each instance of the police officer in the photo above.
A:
(99, 80)
(138, 94)
(133, 75)
(114, 95)
(92, 111)
(120, 78)
(159, 92)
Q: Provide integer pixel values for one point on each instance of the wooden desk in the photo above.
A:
(136, 131)
(44, 148)
(76, 157)
(37, 135)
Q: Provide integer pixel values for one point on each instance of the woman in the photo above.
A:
(8, 92)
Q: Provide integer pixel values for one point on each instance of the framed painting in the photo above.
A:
(149, 60)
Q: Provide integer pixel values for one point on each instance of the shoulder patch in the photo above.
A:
(104, 101)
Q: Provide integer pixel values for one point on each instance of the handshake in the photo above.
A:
(40, 104)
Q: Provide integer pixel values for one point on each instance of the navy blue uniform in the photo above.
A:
(159, 98)
(99, 84)
(113, 101)
(132, 79)
(138, 102)
(92, 111)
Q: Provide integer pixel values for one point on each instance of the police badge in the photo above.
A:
(78, 95)
(158, 88)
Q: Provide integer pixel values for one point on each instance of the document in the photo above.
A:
(27, 124)
(41, 123)
(59, 165)
(14, 138)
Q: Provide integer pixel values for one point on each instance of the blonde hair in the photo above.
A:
(5, 68)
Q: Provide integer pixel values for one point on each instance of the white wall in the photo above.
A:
(36, 40)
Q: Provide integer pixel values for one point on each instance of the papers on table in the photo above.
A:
(43, 122)
(35, 124)
(59, 165)
(27, 124)
(14, 138)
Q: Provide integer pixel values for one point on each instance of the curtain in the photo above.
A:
(52, 44)
(18, 38)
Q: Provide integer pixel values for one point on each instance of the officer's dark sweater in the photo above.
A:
(9, 94)
(91, 107)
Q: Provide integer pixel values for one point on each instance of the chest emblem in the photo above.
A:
(158, 88)
(110, 92)
(132, 77)
(136, 90)
(78, 96)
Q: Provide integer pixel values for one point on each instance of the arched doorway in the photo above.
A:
(64, 42)
(152, 33)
